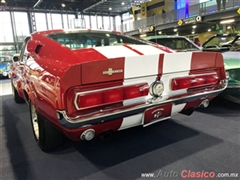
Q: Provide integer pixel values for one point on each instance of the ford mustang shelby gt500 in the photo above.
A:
(83, 83)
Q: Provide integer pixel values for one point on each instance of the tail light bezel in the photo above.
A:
(144, 87)
(192, 80)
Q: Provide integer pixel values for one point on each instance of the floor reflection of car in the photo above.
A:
(5, 65)
(229, 46)
(177, 43)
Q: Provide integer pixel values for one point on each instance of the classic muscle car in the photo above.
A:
(83, 83)
(177, 43)
(5, 66)
(229, 46)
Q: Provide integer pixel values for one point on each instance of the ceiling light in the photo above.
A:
(110, 9)
(123, 3)
(229, 27)
(160, 32)
(227, 21)
(175, 30)
(209, 30)
(3, 1)
(194, 26)
(63, 5)
(193, 32)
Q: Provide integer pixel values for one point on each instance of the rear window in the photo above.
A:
(77, 40)
(176, 43)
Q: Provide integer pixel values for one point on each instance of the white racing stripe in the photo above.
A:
(177, 108)
(177, 62)
(145, 68)
(138, 119)
(131, 121)
(141, 66)
(116, 51)
(174, 65)
(146, 50)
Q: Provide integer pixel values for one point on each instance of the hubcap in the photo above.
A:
(34, 121)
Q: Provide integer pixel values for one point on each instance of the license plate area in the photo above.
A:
(156, 114)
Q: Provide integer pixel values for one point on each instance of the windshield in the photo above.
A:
(179, 44)
(221, 41)
(4, 59)
(77, 40)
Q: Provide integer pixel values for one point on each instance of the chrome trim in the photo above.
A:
(79, 121)
(233, 87)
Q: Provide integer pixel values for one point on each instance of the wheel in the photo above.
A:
(16, 96)
(45, 134)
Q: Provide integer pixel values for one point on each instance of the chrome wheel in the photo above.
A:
(34, 119)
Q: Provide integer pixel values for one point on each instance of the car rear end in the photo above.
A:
(136, 85)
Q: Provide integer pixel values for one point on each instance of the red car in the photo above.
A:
(83, 83)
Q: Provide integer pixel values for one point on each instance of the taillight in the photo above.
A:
(113, 95)
(104, 97)
(93, 99)
(194, 81)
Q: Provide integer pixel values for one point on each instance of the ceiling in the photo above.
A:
(105, 7)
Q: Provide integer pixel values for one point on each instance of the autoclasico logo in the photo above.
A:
(197, 174)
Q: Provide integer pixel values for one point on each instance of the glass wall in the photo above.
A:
(99, 22)
(22, 27)
(93, 22)
(12, 33)
(57, 23)
(41, 24)
(5, 27)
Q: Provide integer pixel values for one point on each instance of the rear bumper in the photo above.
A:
(78, 122)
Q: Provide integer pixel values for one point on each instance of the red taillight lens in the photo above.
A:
(212, 79)
(194, 81)
(93, 99)
(181, 83)
(114, 95)
(135, 91)
(108, 96)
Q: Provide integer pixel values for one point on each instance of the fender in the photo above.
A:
(29, 93)
(19, 88)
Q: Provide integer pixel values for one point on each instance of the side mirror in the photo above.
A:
(16, 58)
(34, 46)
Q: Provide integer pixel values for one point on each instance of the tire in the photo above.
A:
(16, 96)
(46, 136)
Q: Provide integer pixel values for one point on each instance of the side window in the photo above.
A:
(24, 52)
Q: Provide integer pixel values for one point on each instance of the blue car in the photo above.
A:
(5, 66)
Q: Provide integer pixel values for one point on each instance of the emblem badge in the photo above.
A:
(110, 71)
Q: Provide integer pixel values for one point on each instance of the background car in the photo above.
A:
(5, 66)
(229, 46)
(177, 43)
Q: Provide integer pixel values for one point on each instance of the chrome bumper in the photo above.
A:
(81, 121)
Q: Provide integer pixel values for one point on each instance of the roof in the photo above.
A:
(162, 37)
(104, 7)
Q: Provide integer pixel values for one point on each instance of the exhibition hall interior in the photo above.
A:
(119, 89)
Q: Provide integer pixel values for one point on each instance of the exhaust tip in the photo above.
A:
(106, 136)
(205, 103)
(88, 134)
